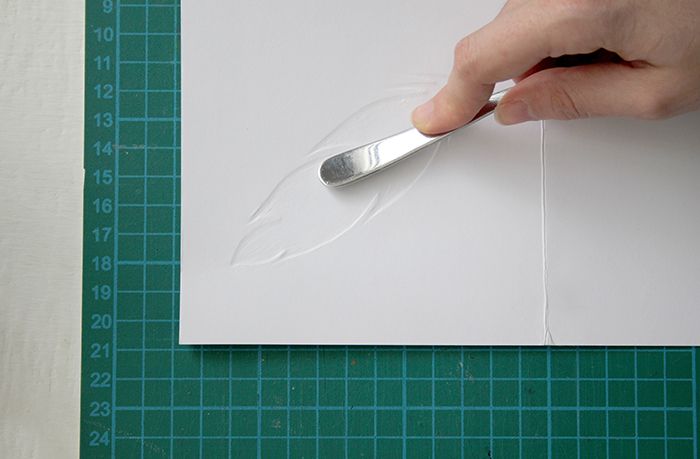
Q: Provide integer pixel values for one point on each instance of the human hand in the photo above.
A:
(575, 59)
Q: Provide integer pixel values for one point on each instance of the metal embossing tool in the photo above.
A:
(358, 163)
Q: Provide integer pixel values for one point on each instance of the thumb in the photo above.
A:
(585, 91)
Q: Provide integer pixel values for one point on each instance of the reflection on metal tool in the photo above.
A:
(358, 163)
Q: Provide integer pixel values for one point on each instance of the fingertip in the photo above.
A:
(422, 116)
(513, 112)
(433, 118)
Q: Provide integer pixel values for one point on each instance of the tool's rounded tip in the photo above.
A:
(323, 174)
(334, 171)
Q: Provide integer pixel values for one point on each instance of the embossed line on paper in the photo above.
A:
(300, 215)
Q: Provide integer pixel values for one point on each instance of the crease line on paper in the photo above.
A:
(547, 338)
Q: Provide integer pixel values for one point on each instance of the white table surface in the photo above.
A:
(41, 112)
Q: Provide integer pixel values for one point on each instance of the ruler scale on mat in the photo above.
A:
(143, 395)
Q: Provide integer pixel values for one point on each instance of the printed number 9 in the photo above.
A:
(107, 6)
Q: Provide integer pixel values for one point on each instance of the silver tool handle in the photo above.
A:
(360, 162)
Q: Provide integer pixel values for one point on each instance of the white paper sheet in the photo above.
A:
(623, 231)
(446, 248)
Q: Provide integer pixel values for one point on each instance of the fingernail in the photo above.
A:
(423, 114)
(513, 113)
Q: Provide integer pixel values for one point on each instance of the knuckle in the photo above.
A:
(464, 53)
(588, 21)
(564, 105)
(655, 106)
(580, 9)
(509, 6)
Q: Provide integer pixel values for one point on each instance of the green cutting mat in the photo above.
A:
(145, 396)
